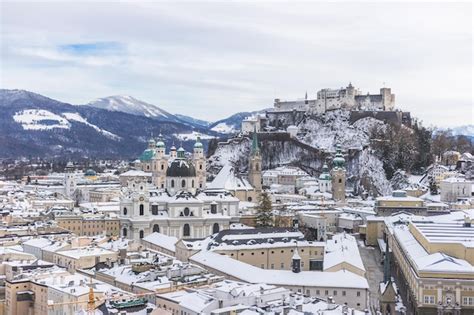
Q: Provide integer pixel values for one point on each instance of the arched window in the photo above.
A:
(192, 183)
(186, 212)
(148, 167)
(186, 230)
(249, 199)
(200, 166)
(124, 232)
(142, 234)
(340, 180)
(125, 211)
(162, 166)
(215, 228)
(156, 228)
(142, 209)
(154, 209)
(183, 183)
(172, 183)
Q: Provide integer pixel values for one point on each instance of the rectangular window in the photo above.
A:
(282, 266)
(343, 293)
(335, 293)
(272, 266)
(468, 300)
(326, 292)
(358, 293)
(429, 299)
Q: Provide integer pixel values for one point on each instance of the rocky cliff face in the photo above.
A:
(314, 146)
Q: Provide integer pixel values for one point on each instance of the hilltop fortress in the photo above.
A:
(287, 114)
(349, 98)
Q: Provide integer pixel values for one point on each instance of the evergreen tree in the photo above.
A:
(433, 187)
(264, 211)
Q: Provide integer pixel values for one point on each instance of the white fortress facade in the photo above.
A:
(348, 97)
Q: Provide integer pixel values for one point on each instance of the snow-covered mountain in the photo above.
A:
(130, 105)
(35, 125)
(193, 121)
(466, 130)
(232, 124)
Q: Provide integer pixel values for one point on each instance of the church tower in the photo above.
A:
(199, 163)
(255, 164)
(338, 174)
(160, 164)
(70, 183)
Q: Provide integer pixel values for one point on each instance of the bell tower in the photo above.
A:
(338, 175)
(255, 164)
(199, 163)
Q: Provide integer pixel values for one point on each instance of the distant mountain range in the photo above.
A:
(466, 130)
(110, 127)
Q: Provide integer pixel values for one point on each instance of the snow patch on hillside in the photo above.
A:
(223, 128)
(192, 136)
(80, 119)
(39, 119)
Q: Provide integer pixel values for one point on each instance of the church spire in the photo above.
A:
(255, 148)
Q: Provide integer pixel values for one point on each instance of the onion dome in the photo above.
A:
(325, 173)
(151, 143)
(181, 168)
(338, 161)
(198, 144)
(160, 143)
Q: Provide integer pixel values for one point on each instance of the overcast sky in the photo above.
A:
(210, 60)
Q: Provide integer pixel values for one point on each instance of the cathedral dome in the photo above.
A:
(147, 155)
(90, 172)
(181, 168)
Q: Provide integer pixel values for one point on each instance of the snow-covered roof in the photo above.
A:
(162, 240)
(251, 274)
(227, 179)
(342, 248)
(136, 173)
